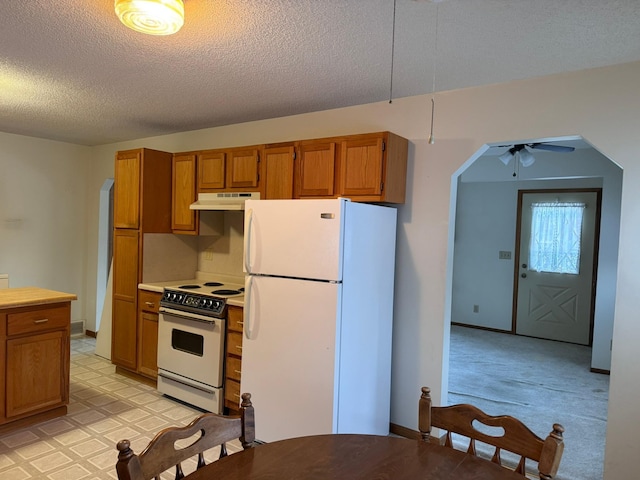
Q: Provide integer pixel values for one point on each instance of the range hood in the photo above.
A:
(223, 200)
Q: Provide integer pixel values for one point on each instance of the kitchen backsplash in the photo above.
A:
(223, 254)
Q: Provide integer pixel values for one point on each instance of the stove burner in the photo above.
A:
(213, 284)
(189, 287)
(226, 292)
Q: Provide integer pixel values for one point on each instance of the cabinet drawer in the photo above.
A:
(233, 368)
(149, 301)
(38, 320)
(236, 318)
(234, 343)
(232, 392)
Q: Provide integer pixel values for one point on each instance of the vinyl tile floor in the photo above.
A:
(104, 408)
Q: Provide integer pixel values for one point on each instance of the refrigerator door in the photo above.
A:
(294, 238)
(289, 355)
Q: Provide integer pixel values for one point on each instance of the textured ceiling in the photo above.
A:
(70, 71)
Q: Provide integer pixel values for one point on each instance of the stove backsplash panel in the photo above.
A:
(223, 254)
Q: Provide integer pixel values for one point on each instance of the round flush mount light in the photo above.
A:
(153, 17)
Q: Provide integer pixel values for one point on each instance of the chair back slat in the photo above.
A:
(517, 437)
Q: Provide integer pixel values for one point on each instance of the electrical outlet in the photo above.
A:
(504, 255)
(476, 308)
(208, 254)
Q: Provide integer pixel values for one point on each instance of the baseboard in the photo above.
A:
(599, 370)
(77, 327)
(90, 333)
(411, 434)
(136, 376)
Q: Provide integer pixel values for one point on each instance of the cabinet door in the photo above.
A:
(126, 197)
(315, 169)
(36, 374)
(125, 289)
(148, 344)
(124, 334)
(125, 264)
(278, 172)
(242, 169)
(183, 219)
(361, 166)
(211, 170)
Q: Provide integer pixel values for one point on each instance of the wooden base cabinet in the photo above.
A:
(35, 364)
(233, 358)
(148, 305)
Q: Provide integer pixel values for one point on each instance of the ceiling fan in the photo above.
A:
(522, 153)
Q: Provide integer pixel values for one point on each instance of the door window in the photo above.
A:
(556, 230)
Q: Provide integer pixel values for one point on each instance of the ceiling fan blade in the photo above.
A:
(551, 148)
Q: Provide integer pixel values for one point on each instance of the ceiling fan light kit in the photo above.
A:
(525, 157)
(153, 17)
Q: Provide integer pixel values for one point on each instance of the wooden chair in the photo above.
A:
(517, 438)
(161, 454)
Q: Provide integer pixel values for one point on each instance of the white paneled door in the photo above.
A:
(555, 269)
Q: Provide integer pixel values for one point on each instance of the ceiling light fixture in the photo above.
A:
(153, 17)
(519, 152)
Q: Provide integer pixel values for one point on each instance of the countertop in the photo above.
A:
(26, 296)
(159, 287)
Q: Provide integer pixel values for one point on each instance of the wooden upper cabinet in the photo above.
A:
(315, 166)
(361, 166)
(211, 170)
(126, 197)
(243, 168)
(277, 164)
(183, 219)
(373, 168)
(142, 197)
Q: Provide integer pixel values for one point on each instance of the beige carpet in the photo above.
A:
(104, 408)
(539, 381)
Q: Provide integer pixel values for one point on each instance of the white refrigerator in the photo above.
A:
(318, 312)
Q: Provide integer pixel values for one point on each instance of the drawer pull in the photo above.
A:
(240, 323)
(236, 395)
(150, 304)
(42, 320)
(239, 347)
(238, 371)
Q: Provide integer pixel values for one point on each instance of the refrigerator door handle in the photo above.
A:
(247, 307)
(247, 241)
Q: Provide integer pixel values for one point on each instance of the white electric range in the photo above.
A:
(191, 340)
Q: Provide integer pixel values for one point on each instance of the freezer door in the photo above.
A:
(294, 238)
(289, 356)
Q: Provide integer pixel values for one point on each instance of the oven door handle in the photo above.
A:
(190, 316)
(183, 381)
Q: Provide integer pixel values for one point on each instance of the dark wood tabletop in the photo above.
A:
(345, 457)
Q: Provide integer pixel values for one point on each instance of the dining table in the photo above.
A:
(350, 456)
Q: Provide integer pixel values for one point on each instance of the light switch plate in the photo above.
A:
(504, 255)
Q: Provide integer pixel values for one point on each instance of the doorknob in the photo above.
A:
(523, 275)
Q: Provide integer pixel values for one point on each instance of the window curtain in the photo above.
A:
(556, 230)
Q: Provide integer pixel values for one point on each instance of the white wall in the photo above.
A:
(43, 216)
(602, 105)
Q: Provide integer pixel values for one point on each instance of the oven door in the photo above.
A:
(191, 358)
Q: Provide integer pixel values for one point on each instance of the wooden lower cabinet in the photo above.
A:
(233, 358)
(148, 305)
(35, 365)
